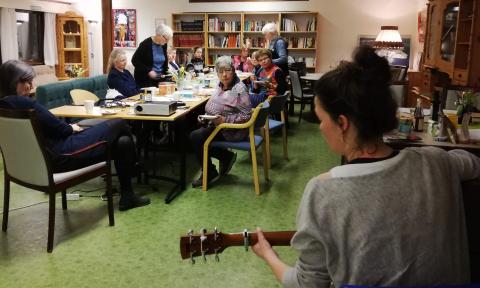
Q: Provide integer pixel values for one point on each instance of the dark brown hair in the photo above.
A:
(360, 90)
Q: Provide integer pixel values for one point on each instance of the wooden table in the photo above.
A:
(176, 120)
(127, 113)
(427, 140)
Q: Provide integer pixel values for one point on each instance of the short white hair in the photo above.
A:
(224, 62)
(164, 30)
(269, 28)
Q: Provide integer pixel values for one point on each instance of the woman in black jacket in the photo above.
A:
(15, 85)
(150, 59)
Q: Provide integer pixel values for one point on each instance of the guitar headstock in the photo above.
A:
(202, 244)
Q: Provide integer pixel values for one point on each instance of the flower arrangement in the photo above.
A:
(465, 102)
(76, 70)
(177, 75)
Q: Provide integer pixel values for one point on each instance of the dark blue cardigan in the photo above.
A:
(123, 82)
(58, 134)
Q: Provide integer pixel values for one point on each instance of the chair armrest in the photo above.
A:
(85, 149)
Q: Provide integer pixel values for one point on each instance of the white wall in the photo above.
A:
(341, 21)
(35, 5)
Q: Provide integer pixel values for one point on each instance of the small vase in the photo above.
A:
(180, 84)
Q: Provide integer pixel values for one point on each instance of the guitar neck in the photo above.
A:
(279, 238)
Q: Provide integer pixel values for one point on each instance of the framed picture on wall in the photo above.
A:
(124, 23)
(400, 60)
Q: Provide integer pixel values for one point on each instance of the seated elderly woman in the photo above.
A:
(62, 138)
(120, 78)
(270, 80)
(231, 103)
(386, 218)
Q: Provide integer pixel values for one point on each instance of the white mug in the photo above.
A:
(89, 106)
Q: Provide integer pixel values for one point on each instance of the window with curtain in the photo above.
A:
(30, 31)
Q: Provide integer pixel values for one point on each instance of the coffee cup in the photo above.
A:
(89, 104)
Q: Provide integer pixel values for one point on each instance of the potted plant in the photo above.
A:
(465, 104)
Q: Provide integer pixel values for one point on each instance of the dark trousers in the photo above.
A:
(123, 152)
(197, 139)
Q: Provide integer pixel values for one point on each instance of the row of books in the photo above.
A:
(254, 25)
(300, 42)
(217, 25)
(196, 25)
(290, 25)
(255, 42)
(229, 41)
(309, 61)
(188, 40)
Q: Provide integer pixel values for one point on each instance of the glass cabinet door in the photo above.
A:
(449, 31)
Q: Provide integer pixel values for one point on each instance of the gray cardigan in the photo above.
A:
(394, 222)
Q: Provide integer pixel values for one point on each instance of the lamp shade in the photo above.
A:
(388, 38)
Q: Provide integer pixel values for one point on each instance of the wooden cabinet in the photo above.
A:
(452, 43)
(71, 45)
(224, 33)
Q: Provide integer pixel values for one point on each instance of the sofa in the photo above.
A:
(58, 94)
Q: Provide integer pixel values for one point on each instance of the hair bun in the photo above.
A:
(375, 68)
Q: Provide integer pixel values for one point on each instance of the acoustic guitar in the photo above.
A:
(202, 244)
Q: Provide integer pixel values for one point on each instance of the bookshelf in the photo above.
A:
(189, 31)
(224, 33)
(72, 45)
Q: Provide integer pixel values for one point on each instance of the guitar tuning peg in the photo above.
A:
(246, 239)
(215, 234)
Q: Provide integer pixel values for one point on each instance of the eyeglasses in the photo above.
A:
(225, 70)
(263, 59)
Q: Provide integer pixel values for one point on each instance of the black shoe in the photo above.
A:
(226, 166)
(211, 178)
(132, 202)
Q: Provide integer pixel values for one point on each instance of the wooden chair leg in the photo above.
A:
(111, 218)
(266, 163)
(205, 169)
(6, 202)
(254, 166)
(51, 221)
(64, 199)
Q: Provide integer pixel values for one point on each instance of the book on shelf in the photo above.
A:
(228, 41)
(256, 42)
(300, 42)
(182, 58)
(289, 25)
(216, 25)
(311, 24)
(188, 40)
(309, 61)
(255, 25)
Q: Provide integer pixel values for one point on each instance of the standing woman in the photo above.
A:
(386, 218)
(277, 45)
(62, 138)
(120, 78)
(151, 60)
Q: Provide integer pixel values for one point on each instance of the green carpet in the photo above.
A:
(142, 249)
